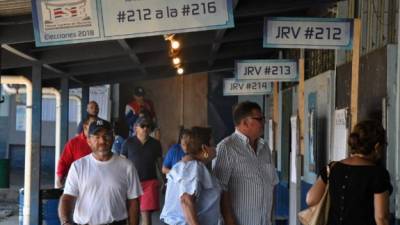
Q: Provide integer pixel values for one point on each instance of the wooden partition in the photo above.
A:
(172, 110)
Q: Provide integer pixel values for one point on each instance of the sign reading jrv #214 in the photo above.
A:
(318, 33)
(272, 70)
(59, 22)
(233, 86)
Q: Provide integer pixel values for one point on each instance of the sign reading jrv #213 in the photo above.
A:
(59, 22)
(318, 33)
(271, 70)
(233, 86)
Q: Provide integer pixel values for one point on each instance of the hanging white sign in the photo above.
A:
(273, 70)
(246, 87)
(300, 32)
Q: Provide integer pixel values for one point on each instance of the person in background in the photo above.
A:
(359, 189)
(245, 169)
(74, 149)
(193, 194)
(101, 188)
(92, 110)
(136, 106)
(145, 152)
(176, 152)
(118, 140)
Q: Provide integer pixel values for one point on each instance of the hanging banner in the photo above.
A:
(20, 121)
(312, 131)
(340, 132)
(59, 22)
(299, 32)
(272, 70)
(271, 135)
(294, 131)
(246, 87)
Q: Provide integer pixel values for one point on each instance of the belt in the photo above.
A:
(120, 222)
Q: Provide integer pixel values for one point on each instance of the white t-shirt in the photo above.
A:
(102, 189)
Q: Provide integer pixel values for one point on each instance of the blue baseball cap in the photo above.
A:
(98, 125)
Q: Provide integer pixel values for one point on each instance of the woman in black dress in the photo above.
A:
(359, 188)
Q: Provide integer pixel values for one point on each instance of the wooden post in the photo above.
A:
(181, 120)
(355, 76)
(301, 101)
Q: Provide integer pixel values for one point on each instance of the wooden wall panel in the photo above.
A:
(372, 86)
(195, 101)
(166, 96)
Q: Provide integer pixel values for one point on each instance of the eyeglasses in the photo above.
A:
(260, 119)
(144, 125)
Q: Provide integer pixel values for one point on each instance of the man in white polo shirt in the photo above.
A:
(101, 188)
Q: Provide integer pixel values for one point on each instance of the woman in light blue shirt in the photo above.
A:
(193, 194)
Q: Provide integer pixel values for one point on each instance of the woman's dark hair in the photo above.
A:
(198, 136)
(365, 136)
(243, 110)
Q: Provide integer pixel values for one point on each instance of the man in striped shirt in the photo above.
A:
(245, 170)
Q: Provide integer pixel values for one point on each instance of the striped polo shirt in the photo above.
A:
(249, 177)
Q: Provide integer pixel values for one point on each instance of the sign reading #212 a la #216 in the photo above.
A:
(268, 69)
(317, 33)
(58, 22)
(234, 86)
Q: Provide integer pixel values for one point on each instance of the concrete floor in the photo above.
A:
(13, 220)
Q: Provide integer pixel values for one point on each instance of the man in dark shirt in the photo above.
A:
(145, 153)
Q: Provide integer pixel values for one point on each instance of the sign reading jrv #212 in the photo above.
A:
(318, 33)
(59, 22)
(233, 86)
(271, 70)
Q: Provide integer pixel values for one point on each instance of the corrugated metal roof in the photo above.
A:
(15, 7)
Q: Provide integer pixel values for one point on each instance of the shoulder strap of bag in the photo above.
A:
(328, 169)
